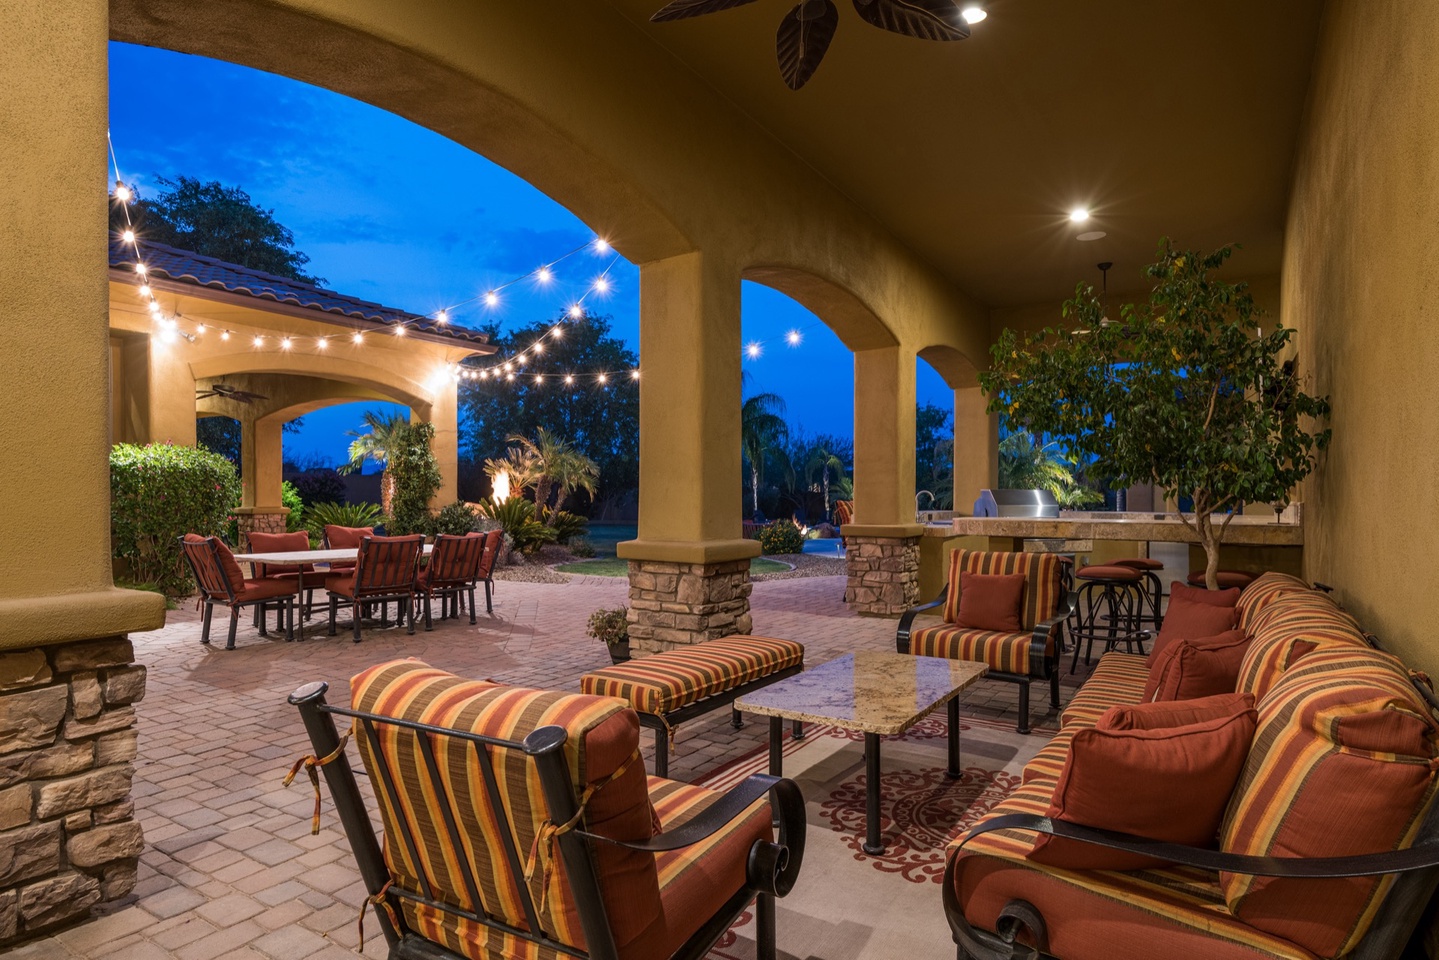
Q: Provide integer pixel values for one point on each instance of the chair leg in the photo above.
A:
(764, 927)
(472, 605)
(425, 599)
(1023, 725)
(489, 607)
(408, 607)
(1054, 686)
(205, 624)
(662, 753)
(290, 619)
(279, 616)
(736, 719)
(234, 625)
(355, 619)
(262, 619)
(334, 605)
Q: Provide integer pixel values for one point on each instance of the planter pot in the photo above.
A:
(619, 652)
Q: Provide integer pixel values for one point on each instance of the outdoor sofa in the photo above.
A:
(1333, 749)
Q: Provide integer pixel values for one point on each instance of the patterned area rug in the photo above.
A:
(850, 905)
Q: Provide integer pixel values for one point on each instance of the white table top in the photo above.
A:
(295, 558)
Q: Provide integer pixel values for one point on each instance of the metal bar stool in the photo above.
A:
(1111, 599)
(1152, 586)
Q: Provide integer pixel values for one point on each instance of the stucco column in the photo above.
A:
(689, 568)
(262, 468)
(882, 545)
(976, 448)
(444, 414)
(170, 394)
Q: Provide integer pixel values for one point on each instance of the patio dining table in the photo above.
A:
(298, 559)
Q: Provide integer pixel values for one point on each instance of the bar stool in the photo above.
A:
(1119, 603)
(1152, 586)
(1226, 578)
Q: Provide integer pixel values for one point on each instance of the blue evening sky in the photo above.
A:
(392, 212)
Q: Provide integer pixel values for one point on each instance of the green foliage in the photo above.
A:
(290, 497)
(219, 435)
(516, 516)
(318, 516)
(546, 464)
(529, 537)
(455, 520)
(320, 485)
(412, 466)
(1184, 392)
(934, 454)
(567, 526)
(581, 547)
(159, 493)
(1026, 465)
(214, 220)
(762, 430)
(781, 536)
(610, 626)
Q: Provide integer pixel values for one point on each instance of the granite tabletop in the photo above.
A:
(883, 693)
(1245, 530)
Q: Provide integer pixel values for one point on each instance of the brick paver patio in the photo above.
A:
(230, 869)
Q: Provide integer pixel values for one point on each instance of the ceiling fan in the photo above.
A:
(228, 393)
(806, 31)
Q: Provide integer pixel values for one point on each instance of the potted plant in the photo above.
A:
(613, 627)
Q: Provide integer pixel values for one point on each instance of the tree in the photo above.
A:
(385, 437)
(545, 464)
(1027, 465)
(599, 421)
(934, 453)
(217, 221)
(762, 429)
(410, 462)
(822, 461)
(1185, 392)
(219, 435)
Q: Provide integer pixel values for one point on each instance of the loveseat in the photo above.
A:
(1327, 843)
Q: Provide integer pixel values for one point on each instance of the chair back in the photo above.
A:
(1043, 588)
(207, 559)
(386, 565)
(279, 543)
(843, 512)
(493, 541)
(455, 560)
(345, 538)
(469, 793)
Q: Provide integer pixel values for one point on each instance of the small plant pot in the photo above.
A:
(619, 652)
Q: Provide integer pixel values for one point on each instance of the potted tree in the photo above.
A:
(613, 628)
(1186, 392)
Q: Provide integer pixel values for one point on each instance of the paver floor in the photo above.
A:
(230, 869)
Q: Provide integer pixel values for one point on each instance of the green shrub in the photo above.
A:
(782, 536)
(581, 547)
(411, 464)
(159, 493)
(510, 514)
(455, 520)
(568, 525)
(290, 497)
(610, 626)
(320, 515)
(531, 536)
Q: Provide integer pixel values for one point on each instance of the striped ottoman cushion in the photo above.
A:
(1265, 589)
(667, 681)
(1004, 652)
(1118, 681)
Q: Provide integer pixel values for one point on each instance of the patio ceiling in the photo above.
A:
(1164, 119)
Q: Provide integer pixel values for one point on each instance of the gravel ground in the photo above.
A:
(805, 565)
(530, 573)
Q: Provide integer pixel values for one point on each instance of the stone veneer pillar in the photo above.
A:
(68, 834)
(674, 604)
(259, 520)
(883, 574)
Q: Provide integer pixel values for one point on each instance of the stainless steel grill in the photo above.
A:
(1016, 503)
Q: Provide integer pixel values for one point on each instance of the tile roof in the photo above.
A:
(186, 267)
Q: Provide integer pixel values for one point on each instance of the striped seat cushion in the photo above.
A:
(1286, 630)
(667, 681)
(1118, 681)
(1003, 652)
(1043, 589)
(603, 737)
(1048, 763)
(1265, 589)
(1342, 763)
(1099, 914)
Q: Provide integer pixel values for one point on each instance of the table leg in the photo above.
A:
(776, 746)
(872, 843)
(953, 771)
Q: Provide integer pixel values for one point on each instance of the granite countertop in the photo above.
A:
(1243, 530)
(883, 693)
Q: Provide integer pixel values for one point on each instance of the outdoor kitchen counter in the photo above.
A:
(1256, 531)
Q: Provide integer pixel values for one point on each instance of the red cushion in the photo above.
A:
(990, 601)
(346, 538)
(1196, 612)
(1139, 563)
(1103, 571)
(1173, 713)
(230, 565)
(1170, 784)
(1190, 669)
(267, 588)
(342, 584)
(279, 543)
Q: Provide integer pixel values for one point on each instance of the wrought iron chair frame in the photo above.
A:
(231, 596)
(770, 870)
(402, 593)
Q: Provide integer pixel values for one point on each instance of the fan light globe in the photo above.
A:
(1078, 215)
(973, 13)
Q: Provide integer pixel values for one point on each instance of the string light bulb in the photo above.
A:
(508, 367)
(794, 338)
(284, 343)
(144, 289)
(538, 348)
(602, 285)
(602, 378)
(557, 333)
(634, 374)
(357, 337)
(484, 374)
(538, 379)
(259, 341)
(200, 328)
(754, 350)
(510, 377)
(443, 316)
(399, 329)
(570, 379)
(521, 359)
(140, 269)
(128, 236)
(122, 192)
(322, 343)
(544, 275)
(492, 299)
(224, 335)
(601, 245)
(577, 311)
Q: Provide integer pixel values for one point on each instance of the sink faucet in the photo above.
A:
(922, 493)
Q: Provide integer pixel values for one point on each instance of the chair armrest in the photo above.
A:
(1419, 857)
(906, 622)
(771, 867)
(1054, 627)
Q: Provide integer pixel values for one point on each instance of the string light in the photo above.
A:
(225, 335)
(399, 329)
(634, 374)
(601, 245)
(200, 328)
(602, 378)
(322, 343)
(538, 348)
(443, 316)
(122, 192)
(538, 379)
(357, 337)
(492, 299)
(284, 343)
(754, 350)
(570, 379)
(259, 341)
(794, 338)
(128, 236)
(602, 285)
(544, 275)
(577, 311)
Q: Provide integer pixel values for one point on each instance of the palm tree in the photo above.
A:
(550, 464)
(385, 433)
(824, 461)
(762, 428)
(1026, 465)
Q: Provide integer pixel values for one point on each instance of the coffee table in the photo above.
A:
(879, 694)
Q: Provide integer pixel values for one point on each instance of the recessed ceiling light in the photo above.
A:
(1078, 215)
(973, 13)
(1092, 235)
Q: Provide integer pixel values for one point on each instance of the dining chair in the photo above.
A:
(221, 581)
(384, 571)
(452, 570)
(284, 543)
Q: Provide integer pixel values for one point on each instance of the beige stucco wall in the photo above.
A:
(1361, 283)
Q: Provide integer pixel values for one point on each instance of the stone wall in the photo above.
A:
(675, 604)
(883, 574)
(68, 834)
(248, 523)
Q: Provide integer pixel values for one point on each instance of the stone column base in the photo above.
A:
(677, 604)
(883, 574)
(68, 834)
(259, 520)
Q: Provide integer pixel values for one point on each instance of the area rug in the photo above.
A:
(850, 905)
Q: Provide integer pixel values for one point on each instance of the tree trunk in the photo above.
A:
(387, 492)
(825, 474)
(754, 489)
(1209, 539)
(542, 496)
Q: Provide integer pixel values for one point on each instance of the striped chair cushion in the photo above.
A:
(670, 680)
(1286, 630)
(1118, 681)
(1265, 589)
(1042, 592)
(1104, 915)
(1048, 763)
(1342, 763)
(603, 737)
(1003, 652)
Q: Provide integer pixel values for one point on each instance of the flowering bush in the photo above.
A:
(782, 536)
(159, 493)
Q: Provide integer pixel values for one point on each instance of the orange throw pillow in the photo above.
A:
(1196, 612)
(1190, 669)
(1174, 713)
(1170, 784)
(990, 601)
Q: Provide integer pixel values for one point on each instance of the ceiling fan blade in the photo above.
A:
(925, 19)
(684, 9)
(804, 36)
(205, 394)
